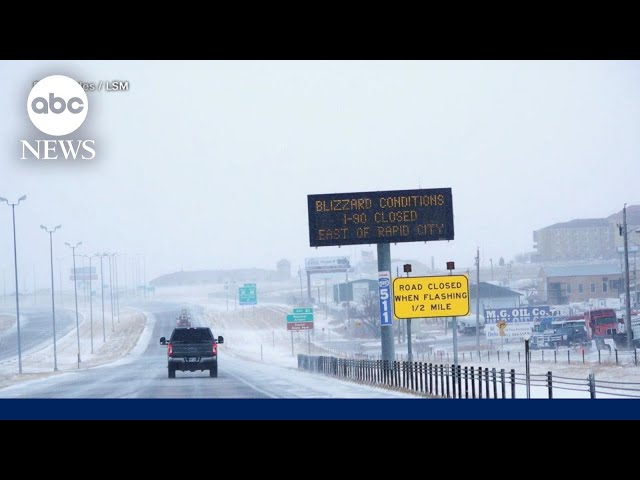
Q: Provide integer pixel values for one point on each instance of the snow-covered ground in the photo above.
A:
(257, 335)
(6, 322)
(38, 361)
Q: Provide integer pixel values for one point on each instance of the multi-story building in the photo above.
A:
(579, 283)
(585, 239)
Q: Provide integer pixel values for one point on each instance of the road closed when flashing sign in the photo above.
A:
(427, 297)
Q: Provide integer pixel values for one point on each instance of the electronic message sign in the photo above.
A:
(420, 215)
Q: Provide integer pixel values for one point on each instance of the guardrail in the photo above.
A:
(451, 381)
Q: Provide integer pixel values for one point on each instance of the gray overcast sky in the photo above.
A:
(208, 164)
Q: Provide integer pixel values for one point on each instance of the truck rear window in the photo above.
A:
(191, 335)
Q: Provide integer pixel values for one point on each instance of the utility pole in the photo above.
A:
(491, 262)
(478, 299)
(627, 292)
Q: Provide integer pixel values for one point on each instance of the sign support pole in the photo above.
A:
(292, 354)
(386, 331)
(455, 335)
(409, 347)
(478, 300)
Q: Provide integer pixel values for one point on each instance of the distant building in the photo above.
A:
(203, 277)
(283, 267)
(493, 296)
(354, 290)
(584, 239)
(579, 283)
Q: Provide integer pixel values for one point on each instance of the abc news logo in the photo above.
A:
(57, 106)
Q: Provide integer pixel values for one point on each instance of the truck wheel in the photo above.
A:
(213, 371)
(172, 372)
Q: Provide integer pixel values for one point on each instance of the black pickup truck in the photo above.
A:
(190, 349)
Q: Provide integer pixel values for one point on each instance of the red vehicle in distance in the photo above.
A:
(602, 327)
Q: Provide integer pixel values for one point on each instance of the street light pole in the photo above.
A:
(115, 271)
(104, 335)
(60, 282)
(15, 262)
(144, 273)
(235, 295)
(91, 298)
(113, 328)
(75, 289)
(53, 301)
(124, 264)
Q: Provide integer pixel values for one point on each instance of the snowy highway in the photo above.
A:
(143, 374)
(36, 329)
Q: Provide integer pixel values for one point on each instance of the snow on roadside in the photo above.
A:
(121, 338)
(6, 322)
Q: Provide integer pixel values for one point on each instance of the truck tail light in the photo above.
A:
(214, 348)
(170, 350)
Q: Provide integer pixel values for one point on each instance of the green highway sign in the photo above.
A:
(303, 310)
(300, 317)
(248, 294)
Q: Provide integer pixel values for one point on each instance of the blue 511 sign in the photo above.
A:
(384, 289)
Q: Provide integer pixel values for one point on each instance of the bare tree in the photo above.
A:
(369, 313)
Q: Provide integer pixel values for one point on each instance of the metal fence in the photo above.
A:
(611, 357)
(451, 381)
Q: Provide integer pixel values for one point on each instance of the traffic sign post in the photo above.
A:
(407, 269)
(381, 218)
(451, 266)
